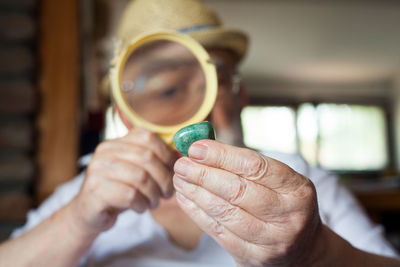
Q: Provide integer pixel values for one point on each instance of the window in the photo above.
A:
(269, 128)
(333, 136)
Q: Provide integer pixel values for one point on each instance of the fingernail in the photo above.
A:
(182, 167)
(179, 182)
(198, 151)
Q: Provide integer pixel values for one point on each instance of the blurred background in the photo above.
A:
(323, 79)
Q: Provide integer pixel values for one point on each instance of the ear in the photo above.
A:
(126, 122)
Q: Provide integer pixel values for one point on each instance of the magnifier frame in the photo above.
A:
(208, 68)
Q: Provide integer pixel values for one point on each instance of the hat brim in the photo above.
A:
(222, 37)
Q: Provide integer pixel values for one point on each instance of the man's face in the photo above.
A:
(163, 82)
(151, 82)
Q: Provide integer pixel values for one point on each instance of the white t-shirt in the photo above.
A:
(137, 240)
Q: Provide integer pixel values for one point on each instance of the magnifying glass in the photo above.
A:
(163, 82)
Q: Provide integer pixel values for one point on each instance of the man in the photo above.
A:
(232, 205)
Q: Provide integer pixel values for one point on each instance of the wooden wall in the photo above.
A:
(39, 99)
(18, 100)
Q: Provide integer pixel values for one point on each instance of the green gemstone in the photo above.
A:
(186, 136)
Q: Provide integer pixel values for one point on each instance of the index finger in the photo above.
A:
(246, 163)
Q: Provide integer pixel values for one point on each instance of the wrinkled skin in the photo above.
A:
(257, 208)
(132, 172)
(260, 210)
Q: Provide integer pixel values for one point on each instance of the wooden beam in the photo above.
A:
(59, 94)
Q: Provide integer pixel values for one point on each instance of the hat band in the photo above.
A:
(196, 28)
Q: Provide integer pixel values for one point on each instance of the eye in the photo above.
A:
(169, 92)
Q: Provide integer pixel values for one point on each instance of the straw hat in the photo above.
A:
(185, 16)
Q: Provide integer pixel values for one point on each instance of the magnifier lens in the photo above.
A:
(163, 82)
